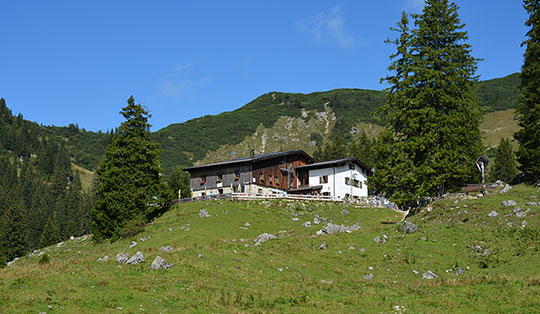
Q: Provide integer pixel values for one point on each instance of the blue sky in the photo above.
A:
(78, 62)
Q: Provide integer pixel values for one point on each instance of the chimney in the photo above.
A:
(252, 153)
(233, 155)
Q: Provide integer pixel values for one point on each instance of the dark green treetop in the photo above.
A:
(504, 167)
(129, 177)
(431, 137)
(529, 110)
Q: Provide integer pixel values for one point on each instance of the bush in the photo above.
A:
(44, 259)
(132, 228)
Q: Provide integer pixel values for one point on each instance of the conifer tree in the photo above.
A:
(432, 136)
(51, 233)
(13, 240)
(529, 110)
(179, 180)
(504, 167)
(129, 181)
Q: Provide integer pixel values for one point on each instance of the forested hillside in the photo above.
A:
(185, 143)
(41, 198)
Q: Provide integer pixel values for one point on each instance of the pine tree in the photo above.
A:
(179, 180)
(504, 167)
(13, 240)
(130, 185)
(51, 233)
(529, 110)
(432, 136)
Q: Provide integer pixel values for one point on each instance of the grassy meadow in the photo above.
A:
(218, 269)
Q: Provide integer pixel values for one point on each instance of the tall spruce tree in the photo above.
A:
(504, 167)
(529, 110)
(13, 238)
(129, 181)
(51, 233)
(432, 135)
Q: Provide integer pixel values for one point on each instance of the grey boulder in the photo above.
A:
(122, 258)
(409, 227)
(136, 258)
(508, 203)
(167, 248)
(203, 213)
(265, 237)
(493, 214)
(429, 275)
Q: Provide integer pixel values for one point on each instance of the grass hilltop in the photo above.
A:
(217, 268)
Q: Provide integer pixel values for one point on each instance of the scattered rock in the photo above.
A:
(323, 246)
(132, 244)
(203, 213)
(493, 214)
(344, 212)
(247, 224)
(416, 272)
(13, 261)
(167, 265)
(157, 263)
(381, 240)
(508, 203)
(523, 224)
(136, 258)
(368, 277)
(362, 250)
(429, 275)
(103, 259)
(295, 219)
(265, 237)
(506, 189)
(167, 248)
(516, 209)
(200, 255)
(307, 224)
(409, 227)
(170, 229)
(460, 271)
(333, 228)
(316, 221)
(481, 251)
(122, 258)
(522, 214)
(143, 239)
(351, 247)
(429, 209)
(72, 238)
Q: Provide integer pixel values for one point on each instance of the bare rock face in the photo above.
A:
(409, 227)
(136, 258)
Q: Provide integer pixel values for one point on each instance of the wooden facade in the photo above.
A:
(276, 170)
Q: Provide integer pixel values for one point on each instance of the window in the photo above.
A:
(351, 166)
(348, 181)
(203, 180)
(261, 177)
(260, 191)
(276, 180)
(219, 178)
(323, 179)
(360, 184)
(237, 175)
(326, 193)
(356, 183)
(270, 179)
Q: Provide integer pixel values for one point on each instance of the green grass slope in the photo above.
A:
(218, 269)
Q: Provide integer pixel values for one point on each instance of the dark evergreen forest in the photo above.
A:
(41, 198)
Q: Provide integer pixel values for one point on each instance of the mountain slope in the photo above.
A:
(218, 268)
(213, 137)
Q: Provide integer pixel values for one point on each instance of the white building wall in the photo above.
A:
(336, 181)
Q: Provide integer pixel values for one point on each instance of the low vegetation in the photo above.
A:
(215, 270)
